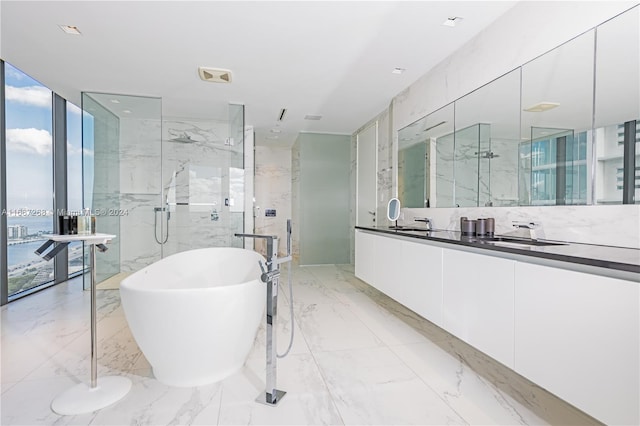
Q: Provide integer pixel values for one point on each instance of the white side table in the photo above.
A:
(83, 398)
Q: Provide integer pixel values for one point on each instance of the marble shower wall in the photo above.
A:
(273, 190)
(101, 194)
(201, 167)
(203, 173)
(140, 191)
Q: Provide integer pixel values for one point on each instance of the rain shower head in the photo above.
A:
(184, 138)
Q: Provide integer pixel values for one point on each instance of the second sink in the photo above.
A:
(522, 241)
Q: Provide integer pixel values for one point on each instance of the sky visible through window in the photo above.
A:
(29, 142)
(29, 123)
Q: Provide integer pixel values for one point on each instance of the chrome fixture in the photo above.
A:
(426, 220)
(530, 230)
(486, 154)
(156, 210)
(270, 276)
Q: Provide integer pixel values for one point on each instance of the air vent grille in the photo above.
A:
(215, 75)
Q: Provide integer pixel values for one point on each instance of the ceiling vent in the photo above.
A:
(542, 107)
(312, 117)
(215, 75)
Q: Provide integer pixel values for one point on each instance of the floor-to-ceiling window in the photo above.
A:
(29, 179)
(40, 162)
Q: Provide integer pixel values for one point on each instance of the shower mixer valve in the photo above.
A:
(268, 276)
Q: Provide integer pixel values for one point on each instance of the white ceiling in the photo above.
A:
(329, 58)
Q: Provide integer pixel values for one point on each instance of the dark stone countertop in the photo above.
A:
(609, 257)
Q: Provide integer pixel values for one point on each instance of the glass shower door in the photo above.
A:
(121, 156)
(203, 183)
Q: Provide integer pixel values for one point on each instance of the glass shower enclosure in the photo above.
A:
(162, 186)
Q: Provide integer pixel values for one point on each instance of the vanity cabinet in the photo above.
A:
(477, 303)
(573, 333)
(406, 271)
(421, 278)
(365, 256)
(578, 336)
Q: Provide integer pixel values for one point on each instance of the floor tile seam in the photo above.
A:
(327, 387)
(419, 376)
(324, 379)
(6, 388)
(220, 404)
(388, 311)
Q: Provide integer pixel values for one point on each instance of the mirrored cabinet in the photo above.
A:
(562, 129)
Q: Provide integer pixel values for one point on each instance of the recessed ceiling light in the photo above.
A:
(115, 101)
(273, 137)
(126, 111)
(312, 117)
(542, 106)
(398, 70)
(275, 130)
(70, 29)
(452, 21)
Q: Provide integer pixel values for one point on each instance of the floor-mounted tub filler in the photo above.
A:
(195, 314)
(270, 276)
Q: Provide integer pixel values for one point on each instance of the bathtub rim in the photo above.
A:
(125, 283)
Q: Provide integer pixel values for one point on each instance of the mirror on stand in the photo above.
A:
(393, 210)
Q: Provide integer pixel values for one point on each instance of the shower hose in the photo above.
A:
(290, 312)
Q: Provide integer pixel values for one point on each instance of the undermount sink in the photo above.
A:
(509, 240)
(408, 228)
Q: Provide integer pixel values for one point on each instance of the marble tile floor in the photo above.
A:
(358, 358)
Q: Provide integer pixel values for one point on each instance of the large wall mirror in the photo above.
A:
(617, 87)
(557, 110)
(425, 160)
(561, 129)
(486, 138)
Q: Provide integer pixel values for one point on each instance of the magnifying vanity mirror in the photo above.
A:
(393, 210)
(562, 129)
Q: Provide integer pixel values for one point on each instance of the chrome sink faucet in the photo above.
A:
(530, 230)
(426, 220)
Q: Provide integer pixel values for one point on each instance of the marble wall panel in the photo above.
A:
(615, 225)
(273, 189)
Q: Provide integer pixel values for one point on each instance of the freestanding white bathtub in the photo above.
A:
(195, 314)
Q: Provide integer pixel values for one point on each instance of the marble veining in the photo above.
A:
(614, 225)
(358, 358)
(273, 189)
